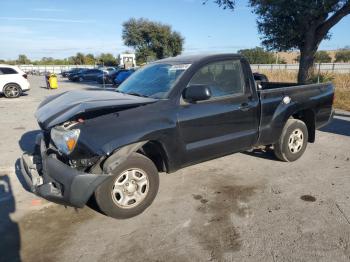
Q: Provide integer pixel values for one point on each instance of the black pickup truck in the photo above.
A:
(172, 113)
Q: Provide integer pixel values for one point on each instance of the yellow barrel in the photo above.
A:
(53, 81)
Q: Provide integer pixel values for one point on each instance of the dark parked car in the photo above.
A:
(71, 71)
(72, 76)
(107, 78)
(258, 77)
(86, 75)
(168, 115)
(122, 76)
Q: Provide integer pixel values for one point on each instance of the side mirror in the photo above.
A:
(196, 93)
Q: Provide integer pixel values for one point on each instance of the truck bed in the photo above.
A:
(305, 100)
(274, 85)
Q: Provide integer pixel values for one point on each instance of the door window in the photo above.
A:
(7, 71)
(224, 78)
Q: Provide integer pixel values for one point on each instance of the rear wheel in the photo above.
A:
(293, 141)
(130, 190)
(12, 91)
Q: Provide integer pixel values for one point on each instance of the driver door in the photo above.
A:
(227, 122)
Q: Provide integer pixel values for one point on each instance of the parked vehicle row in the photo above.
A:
(71, 71)
(86, 75)
(109, 75)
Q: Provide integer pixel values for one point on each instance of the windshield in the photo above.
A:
(155, 80)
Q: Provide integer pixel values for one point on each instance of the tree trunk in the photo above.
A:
(306, 64)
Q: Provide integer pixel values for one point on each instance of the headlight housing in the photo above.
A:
(65, 140)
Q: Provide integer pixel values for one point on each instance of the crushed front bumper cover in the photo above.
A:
(55, 181)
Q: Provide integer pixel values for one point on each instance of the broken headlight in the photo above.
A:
(65, 140)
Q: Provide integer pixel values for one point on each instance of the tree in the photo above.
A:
(78, 59)
(342, 55)
(23, 60)
(89, 59)
(46, 61)
(322, 57)
(151, 40)
(258, 55)
(297, 24)
(107, 59)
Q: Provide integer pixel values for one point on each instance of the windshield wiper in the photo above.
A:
(136, 94)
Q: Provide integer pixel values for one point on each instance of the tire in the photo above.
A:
(293, 141)
(126, 194)
(80, 79)
(12, 91)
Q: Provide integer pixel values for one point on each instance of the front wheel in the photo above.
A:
(293, 141)
(131, 188)
(12, 91)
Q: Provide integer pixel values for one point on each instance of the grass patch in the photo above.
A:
(342, 99)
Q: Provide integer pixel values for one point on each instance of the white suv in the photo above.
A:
(13, 81)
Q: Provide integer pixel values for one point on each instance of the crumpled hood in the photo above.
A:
(62, 107)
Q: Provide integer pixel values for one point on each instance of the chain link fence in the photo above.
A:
(340, 68)
(56, 69)
(324, 67)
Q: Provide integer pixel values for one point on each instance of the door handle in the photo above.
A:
(244, 106)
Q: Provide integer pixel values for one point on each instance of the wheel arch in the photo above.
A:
(155, 151)
(308, 116)
(152, 149)
(271, 131)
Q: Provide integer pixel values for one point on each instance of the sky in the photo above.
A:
(61, 28)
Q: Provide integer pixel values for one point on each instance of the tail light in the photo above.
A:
(25, 76)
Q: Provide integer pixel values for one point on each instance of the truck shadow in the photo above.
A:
(9, 229)
(27, 141)
(262, 153)
(338, 126)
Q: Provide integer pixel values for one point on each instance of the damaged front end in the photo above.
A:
(66, 167)
(51, 174)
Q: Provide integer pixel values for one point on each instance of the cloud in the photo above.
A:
(4, 29)
(48, 10)
(50, 46)
(54, 20)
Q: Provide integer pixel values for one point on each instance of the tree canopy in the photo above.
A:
(107, 59)
(258, 55)
(23, 60)
(79, 59)
(297, 24)
(151, 40)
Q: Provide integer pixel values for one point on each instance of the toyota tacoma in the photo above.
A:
(173, 113)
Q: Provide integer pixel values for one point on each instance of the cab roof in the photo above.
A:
(190, 59)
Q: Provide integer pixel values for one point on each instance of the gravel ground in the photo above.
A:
(243, 207)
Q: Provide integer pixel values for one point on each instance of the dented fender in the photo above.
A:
(120, 156)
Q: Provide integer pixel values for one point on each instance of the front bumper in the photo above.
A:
(55, 181)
